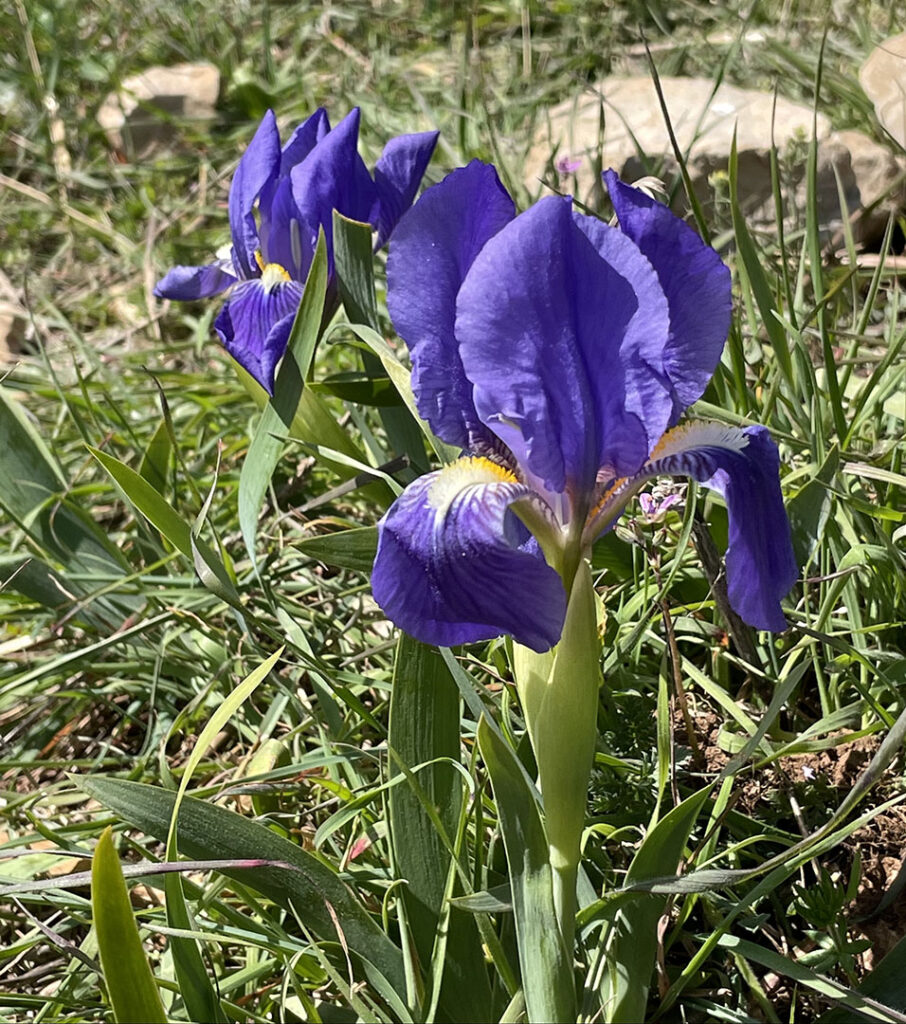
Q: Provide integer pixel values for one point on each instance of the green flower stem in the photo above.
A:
(559, 695)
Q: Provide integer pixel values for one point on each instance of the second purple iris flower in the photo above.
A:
(280, 197)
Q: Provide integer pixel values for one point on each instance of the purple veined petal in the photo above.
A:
(187, 283)
(558, 324)
(285, 238)
(432, 249)
(255, 323)
(647, 504)
(258, 167)
(743, 466)
(334, 177)
(454, 565)
(695, 281)
(303, 140)
(276, 215)
(397, 175)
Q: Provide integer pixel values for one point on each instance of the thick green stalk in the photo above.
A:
(559, 695)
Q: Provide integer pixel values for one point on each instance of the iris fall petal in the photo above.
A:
(188, 283)
(743, 466)
(454, 565)
(254, 326)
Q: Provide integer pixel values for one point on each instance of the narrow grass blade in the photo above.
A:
(810, 509)
(31, 496)
(354, 259)
(631, 957)
(207, 832)
(868, 1008)
(278, 415)
(156, 460)
(130, 983)
(756, 275)
(347, 549)
(547, 971)
(163, 517)
(198, 993)
(156, 509)
(885, 984)
(400, 377)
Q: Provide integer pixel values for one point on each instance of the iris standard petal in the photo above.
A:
(285, 238)
(433, 247)
(303, 140)
(334, 177)
(553, 326)
(695, 281)
(397, 175)
(743, 466)
(258, 167)
(187, 283)
(254, 325)
(454, 565)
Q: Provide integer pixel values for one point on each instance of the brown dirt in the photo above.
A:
(881, 844)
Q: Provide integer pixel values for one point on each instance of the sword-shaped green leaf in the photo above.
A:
(130, 983)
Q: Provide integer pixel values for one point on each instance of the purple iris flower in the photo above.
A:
(296, 187)
(559, 353)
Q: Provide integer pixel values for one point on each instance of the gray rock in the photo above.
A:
(621, 126)
(633, 128)
(139, 117)
(873, 180)
(883, 79)
(13, 331)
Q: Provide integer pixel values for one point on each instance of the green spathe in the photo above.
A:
(559, 694)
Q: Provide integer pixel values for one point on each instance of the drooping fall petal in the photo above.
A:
(188, 283)
(455, 565)
(254, 326)
(743, 466)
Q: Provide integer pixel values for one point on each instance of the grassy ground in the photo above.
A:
(115, 655)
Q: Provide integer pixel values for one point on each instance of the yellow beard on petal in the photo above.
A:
(698, 434)
(466, 472)
(272, 274)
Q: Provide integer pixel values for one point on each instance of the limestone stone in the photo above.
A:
(883, 79)
(621, 125)
(138, 117)
(873, 180)
(13, 330)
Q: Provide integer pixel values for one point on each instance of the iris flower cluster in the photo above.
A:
(559, 353)
(296, 187)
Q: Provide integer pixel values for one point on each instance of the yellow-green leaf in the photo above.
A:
(127, 974)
